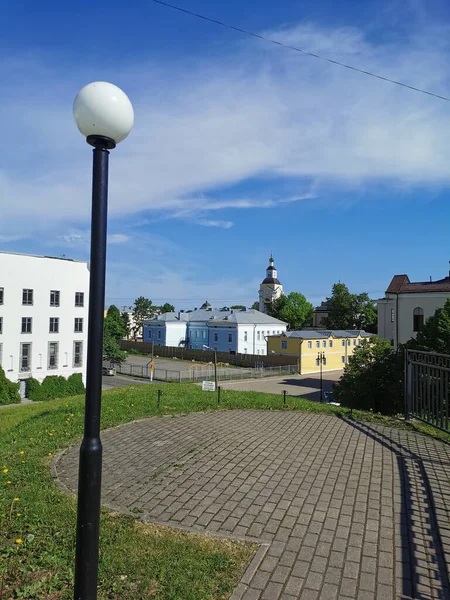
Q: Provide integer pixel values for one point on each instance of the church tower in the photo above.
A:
(270, 289)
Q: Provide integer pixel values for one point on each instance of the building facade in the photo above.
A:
(242, 331)
(43, 316)
(407, 305)
(336, 345)
(270, 288)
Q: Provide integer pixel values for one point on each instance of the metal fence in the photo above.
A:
(427, 387)
(196, 374)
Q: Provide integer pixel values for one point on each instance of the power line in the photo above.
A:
(305, 52)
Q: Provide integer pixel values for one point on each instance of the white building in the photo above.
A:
(43, 316)
(243, 331)
(270, 288)
(407, 305)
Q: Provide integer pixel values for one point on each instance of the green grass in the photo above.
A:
(137, 560)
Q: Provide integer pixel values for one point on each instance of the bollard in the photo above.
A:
(218, 395)
(159, 397)
(284, 397)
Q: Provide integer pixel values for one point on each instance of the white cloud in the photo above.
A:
(118, 238)
(215, 223)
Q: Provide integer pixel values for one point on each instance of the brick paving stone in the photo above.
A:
(349, 510)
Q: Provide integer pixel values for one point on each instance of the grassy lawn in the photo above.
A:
(138, 560)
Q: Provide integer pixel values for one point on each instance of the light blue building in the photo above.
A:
(226, 330)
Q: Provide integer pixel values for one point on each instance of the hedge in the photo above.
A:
(9, 391)
(54, 386)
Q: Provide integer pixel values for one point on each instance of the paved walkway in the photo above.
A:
(343, 510)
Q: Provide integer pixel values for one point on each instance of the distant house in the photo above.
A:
(407, 305)
(320, 314)
(226, 330)
(305, 346)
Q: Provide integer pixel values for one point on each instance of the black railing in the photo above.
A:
(427, 380)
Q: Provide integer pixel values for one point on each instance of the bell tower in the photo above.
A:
(270, 288)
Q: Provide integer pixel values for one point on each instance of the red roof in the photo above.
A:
(401, 284)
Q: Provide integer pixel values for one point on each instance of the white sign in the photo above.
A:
(208, 386)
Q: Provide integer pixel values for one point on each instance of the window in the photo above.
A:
(1, 295)
(317, 344)
(343, 342)
(1, 354)
(392, 315)
(77, 354)
(26, 324)
(324, 360)
(257, 352)
(324, 343)
(54, 325)
(330, 343)
(79, 298)
(78, 327)
(245, 336)
(54, 298)
(216, 337)
(27, 297)
(317, 362)
(1, 324)
(204, 335)
(25, 357)
(284, 345)
(230, 337)
(354, 342)
(348, 342)
(245, 350)
(159, 334)
(343, 359)
(258, 336)
(196, 334)
(53, 355)
(417, 319)
(310, 345)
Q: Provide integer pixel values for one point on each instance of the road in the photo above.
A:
(111, 382)
(306, 386)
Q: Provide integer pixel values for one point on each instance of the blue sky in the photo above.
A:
(239, 147)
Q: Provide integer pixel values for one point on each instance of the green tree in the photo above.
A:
(372, 379)
(126, 324)
(350, 311)
(114, 324)
(294, 309)
(255, 306)
(112, 352)
(165, 308)
(143, 309)
(238, 306)
(435, 333)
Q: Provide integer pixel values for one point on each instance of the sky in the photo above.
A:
(240, 147)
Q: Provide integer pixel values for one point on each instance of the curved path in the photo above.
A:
(345, 510)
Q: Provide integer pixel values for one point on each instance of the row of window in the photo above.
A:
(27, 325)
(284, 344)
(418, 318)
(52, 356)
(55, 295)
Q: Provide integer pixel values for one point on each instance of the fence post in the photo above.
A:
(179, 373)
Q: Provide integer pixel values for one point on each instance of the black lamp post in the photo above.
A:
(321, 359)
(104, 115)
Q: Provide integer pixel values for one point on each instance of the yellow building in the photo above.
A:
(336, 345)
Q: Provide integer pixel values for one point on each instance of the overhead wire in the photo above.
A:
(301, 50)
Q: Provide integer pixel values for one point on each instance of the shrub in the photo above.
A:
(55, 386)
(75, 384)
(9, 391)
(134, 352)
(33, 389)
(373, 379)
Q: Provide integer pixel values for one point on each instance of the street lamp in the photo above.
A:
(321, 360)
(215, 363)
(104, 115)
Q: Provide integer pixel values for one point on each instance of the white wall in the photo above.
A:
(256, 337)
(406, 305)
(175, 333)
(17, 272)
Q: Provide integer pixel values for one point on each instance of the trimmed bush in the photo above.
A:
(9, 391)
(134, 352)
(55, 386)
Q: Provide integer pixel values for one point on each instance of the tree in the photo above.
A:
(165, 308)
(112, 352)
(114, 324)
(373, 378)
(435, 333)
(239, 307)
(294, 309)
(255, 306)
(350, 311)
(126, 324)
(143, 309)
